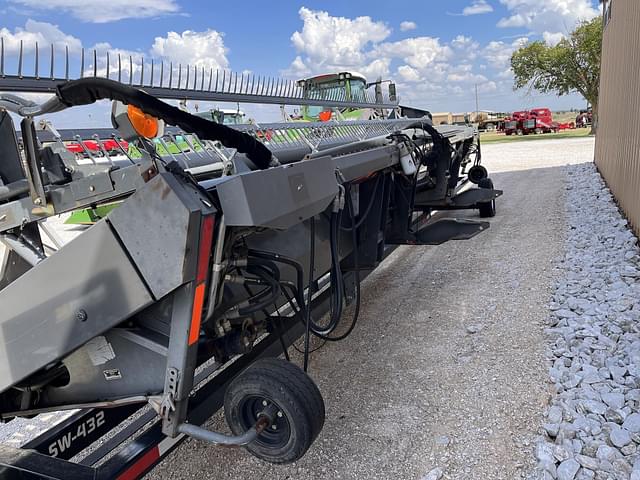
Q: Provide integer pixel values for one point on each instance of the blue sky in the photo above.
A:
(437, 51)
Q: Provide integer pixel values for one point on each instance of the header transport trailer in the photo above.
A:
(217, 258)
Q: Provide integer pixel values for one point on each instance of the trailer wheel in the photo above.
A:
(519, 132)
(276, 383)
(477, 173)
(487, 209)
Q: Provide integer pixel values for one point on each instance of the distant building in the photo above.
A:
(618, 135)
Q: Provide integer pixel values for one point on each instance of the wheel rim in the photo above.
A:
(249, 411)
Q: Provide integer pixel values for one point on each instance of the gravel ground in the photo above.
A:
(592, 427)
(446, 374)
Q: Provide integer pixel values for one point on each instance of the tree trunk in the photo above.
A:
(594, 120)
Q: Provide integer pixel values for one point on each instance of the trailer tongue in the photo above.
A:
(216, 257)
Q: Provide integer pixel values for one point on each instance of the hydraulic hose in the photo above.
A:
(260, 300)
(86, 91)
(276, 257)
(312, 255)
(364, 215)
(356, 265)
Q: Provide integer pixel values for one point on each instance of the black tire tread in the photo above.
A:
(294, 391)
(299, 382)
(488, 209)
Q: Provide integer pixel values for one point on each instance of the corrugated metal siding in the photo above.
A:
(618, 137)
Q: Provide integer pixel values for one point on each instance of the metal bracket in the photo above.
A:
(467, 199)
(167, 403)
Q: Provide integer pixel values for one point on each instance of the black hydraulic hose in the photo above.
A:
(312, 254)
(356, 265)
(364, 215)
(277, 257)
(274, 271)
(86, 91)
(273, 292)
(336, 282)
(260, 300)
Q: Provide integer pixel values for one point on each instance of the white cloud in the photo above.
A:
(42, 32)
(98, 11)
(406, 26)
(465, 47)
(498, 54)
(201, 49)
(408, 74)
(487, 87)
(478, 7)
(466, 77)
(552, 38)
(549, 18)
(377, 69)
(418, 52)
(328, 43)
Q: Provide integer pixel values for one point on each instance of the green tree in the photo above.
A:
(573, 65)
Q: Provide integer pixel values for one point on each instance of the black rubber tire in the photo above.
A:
(296, 396)
(487, 210)
(477, 173)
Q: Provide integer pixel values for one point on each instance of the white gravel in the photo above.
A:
(592, 427)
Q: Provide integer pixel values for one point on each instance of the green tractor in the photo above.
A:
(225, 116)
(342, 86)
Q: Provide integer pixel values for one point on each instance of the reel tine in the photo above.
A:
(51, 61)
(20, 61)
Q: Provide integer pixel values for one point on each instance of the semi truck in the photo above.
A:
(534, 121)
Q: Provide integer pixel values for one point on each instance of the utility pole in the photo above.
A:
(477, 104)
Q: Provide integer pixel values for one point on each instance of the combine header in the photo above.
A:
(219, 248)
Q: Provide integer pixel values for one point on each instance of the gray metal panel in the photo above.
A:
(278, 197)
(360, 164)
(154, 224)
(82, 290)
(110, 367)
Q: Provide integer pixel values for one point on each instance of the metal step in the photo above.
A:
(442, 231)
(466, 200)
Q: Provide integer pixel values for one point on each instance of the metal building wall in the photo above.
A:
(618, 139)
